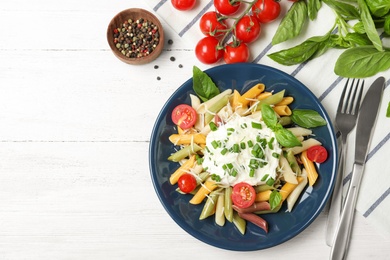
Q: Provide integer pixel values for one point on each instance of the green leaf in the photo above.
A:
(301, 52)
(387, 25)
(307, 118)
(388, 110)
(275, 199)
(269, 116)
(369, 25)
(292, 23)
(347, 11)
(362, 62)
(286, 138)
(313, 6)
(379, 8)
(359, 28)
(203, 85)
(357, 39)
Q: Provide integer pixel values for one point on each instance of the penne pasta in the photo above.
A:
(187, 139)
(312, 173)
(251, 94)
(282, 110)
(185, 167)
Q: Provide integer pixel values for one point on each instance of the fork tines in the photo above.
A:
(348, 107)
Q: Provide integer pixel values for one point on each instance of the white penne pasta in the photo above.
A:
(306, 144)
(203, 108)
(288, 174)
(219, 210)
(195, 101)
(300, 131)
(225, 113)
(294, 195)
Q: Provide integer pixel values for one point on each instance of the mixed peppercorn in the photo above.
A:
(136, 38)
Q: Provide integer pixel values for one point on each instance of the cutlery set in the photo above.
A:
(349, 114)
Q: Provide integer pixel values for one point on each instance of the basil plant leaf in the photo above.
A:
(302, 52)
(269, 116)
(313, 6)
(347, 11)
(203, 85)
(388, 110)
(286, 138)
(292, 23)
(387, 25)
(369, 25)
(362, 62)
(307, 118)
(379, 8)
(275, 199)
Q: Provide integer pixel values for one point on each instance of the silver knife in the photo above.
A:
(364, 129)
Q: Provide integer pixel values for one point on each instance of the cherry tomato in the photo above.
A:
(187, 183)
(266, 10)
(183, 5)
(206, 50)
(317, 154)
(248, 29)
(184, 116)
(243, 195)
(235, 54)
(225, 7)
(211, 25)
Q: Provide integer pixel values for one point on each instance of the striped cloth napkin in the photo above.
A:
(318, 75)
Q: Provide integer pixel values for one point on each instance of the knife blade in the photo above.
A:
(364, 129)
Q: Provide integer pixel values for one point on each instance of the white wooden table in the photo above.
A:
(75, 124)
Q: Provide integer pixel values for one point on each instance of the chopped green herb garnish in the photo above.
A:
(264, 177)
(213, 126)
(214, 144)
(270, 181)
(256, 125)
(224, 151)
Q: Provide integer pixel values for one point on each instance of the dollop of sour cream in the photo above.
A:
(243, 149)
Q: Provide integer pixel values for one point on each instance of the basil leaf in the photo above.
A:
(347, 11)
(292, 23)
(286, 138)
(359, 28)
(387, 25)
(301, 52)
(362, 62)
(388, 110)
(357, 39)
(275, 199)
(379, 8)
(313, 6)
(307, 118)
(203, 85)
(369, 25)
(269, 116)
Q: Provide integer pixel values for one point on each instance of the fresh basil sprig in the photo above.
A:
(363, 36)
(307, 118)
(203, 85)
(284, 137)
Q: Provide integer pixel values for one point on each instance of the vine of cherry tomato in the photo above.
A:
(246, 19)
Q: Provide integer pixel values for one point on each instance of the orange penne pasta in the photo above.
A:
(187, 139)
(185, 167)
(312, 173)
(251, 94)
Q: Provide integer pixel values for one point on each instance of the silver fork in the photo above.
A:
(346, 117)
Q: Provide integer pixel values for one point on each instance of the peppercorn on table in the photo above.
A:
(75, 129)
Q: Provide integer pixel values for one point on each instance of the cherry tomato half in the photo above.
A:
(206, 50)
(243, 195)
(183, 5)
(235, 54)
(187, 183)
(317, 154)
(266, 10)
(211, 25)
(248, 29)
(184, 116)
(225, 7)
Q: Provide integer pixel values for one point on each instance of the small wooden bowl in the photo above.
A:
(135, 14)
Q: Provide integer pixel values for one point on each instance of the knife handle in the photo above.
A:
(343, 232)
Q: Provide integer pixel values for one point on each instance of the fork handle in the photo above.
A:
(336, 203)
(343, 233)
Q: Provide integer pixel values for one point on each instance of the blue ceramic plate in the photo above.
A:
(282, 225)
